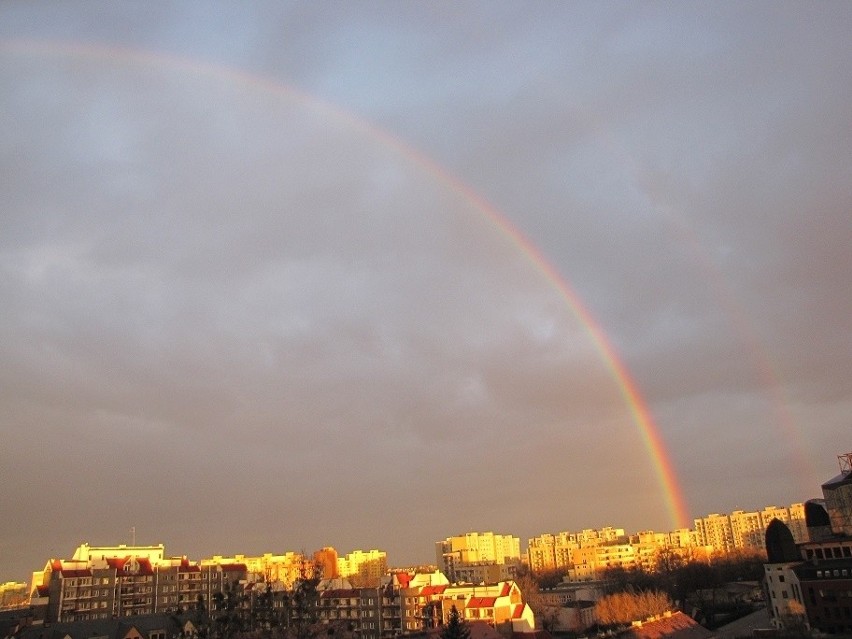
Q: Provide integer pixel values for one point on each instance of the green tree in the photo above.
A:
(455, 628)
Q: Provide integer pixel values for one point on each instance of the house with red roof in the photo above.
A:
(500, 606)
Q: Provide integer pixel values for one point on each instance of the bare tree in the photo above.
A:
(625, 607)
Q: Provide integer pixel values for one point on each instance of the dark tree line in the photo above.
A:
(263, 613)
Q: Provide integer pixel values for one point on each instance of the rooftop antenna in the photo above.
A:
(845, 462)
(133, 535)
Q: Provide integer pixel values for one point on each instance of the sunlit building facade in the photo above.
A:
(809, 585)
(325, 560)
(121, 581)
(476, 549)
(284, 569)
(13, 594)
(364, 568)
(500, 605)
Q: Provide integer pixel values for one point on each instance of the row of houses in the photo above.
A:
(101, 583)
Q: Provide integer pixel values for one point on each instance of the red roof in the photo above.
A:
(481, 602)
(75, 573)
(428, 591)
(117, 562)
(185, 566)
(403, 579)
(233, 567)
(145, 566)
(507, 588)
(676, 626)
(518, 611)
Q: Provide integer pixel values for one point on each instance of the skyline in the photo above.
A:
(131, 541)
(287, 272)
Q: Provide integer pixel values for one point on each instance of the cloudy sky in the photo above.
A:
(275, 276)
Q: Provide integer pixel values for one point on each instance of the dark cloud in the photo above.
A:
(242, 314)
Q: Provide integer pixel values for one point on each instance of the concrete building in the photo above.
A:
(13, 594)
(115, 581)
(743, 530)
(476, 549)
(809, 585)
(283, 570)
(326, 561)
(363, 569)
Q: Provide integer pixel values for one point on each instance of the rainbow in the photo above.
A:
(639, 410)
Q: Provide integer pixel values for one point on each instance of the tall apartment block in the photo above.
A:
(365, 569)
(458, 557)
(119, 581)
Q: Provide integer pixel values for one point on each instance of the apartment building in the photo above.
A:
(283, 569)
(13, 594)
(476, 549)
(746, 530)
(809, 585)
(365, 569)
(121, 581)
(325, 559)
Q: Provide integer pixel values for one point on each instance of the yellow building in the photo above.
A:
(283, 569)
(363, 569)
(13, 594)
(476, 549)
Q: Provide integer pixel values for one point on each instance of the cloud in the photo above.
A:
(238, 300)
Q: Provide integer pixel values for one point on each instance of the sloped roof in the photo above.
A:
(186, 566)
(112, 628)
(145, 567)
(481, 602)
(234, 567)
(677, 626)
(117, 562)
(840, 480)
(403, 579)
(428, 591)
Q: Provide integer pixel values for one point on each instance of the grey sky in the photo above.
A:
(243, 312)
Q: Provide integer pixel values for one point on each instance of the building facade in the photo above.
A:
(453, 554)
(117, 582)
(809, 585)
